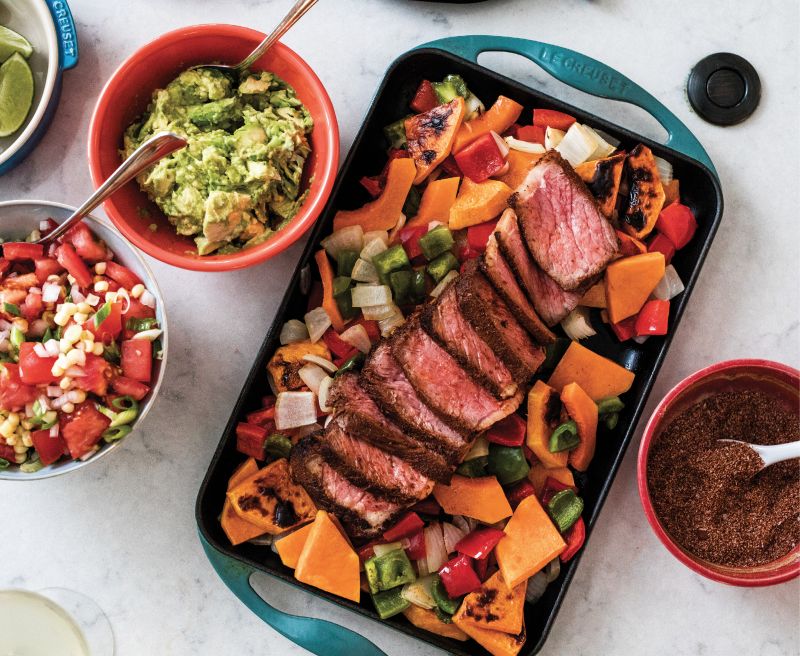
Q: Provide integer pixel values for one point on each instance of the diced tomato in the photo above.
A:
(129, 387)
(661, 244)
(373, 185)
(520, 491)
(137, 359)
(416, 545)
(14, 394)
(97, 373)
(481, 159)
(458, 576)
(425, 98)
(574, 537)
(550, 118)
(625, 329)
(75, 266)
(5, 265)
(49, 448)
(428, 506)
(531, 134)
(46, 267)
(85, 244)
(450, 167)
(15, 251)
(251, 440)
(263, 417)
(32, 306)
(51, 225)
(480, 542)
(83, 428)
(34, 369)
(408, 524)
(409, 238)
(336, 345)
(123, 276)
(677, 223)
(508, 432)
(653, 318)
(136, 310)
(110, 327)
(478, 235)
(372, 328)
(7, 452)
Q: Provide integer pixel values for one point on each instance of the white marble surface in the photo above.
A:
(123, 530)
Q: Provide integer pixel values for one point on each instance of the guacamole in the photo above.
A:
(238, 180)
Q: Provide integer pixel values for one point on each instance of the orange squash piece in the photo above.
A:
(531, 541)
(544, 410)
(603, 177)
(599, 377)
(327, 560)
(237, 529)
(630, 245)
(328, 301)
(289, 547)
(437, 199)
(583, 411)
(498, 118)
(519, 165)
(646, 196)
(672, 192)
(539, 474)
(383, 212)
(480, 498)
(256, 498)
(431, 135)
(426, 619)
(496, 643)
(494, 606)
(629, 283)
(478, 202)
(595, 296)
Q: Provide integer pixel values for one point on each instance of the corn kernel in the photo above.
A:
(12, 440)
(53, 278)
(101, 286)
(20, 324)
(69, 408)
(76, 396)
(111, 297)
(76, 357)
(6, 431)
(138, 290)
(57, 371)
(62, 362)
(84, 307)
(13, 419)
(88, 345)
(49, 317)
(98, 348)
(26, 440)
(100, 268)
(66, 381)
(20, 448)
(73, 333)
(86, 334)
(26, 424)
(80, 317)
(60, 319)
(20, 457)
(64, 345)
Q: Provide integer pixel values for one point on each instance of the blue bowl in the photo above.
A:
(48, 25)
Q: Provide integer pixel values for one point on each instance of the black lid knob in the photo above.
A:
(724, 88)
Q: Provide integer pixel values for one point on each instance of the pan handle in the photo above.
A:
(317, 636)
(582, 73)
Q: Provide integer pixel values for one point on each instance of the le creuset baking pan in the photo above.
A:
(699, 189)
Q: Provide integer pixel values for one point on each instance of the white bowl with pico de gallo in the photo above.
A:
(83, 341)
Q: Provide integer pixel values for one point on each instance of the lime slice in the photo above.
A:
(16, 94)
(11, 42)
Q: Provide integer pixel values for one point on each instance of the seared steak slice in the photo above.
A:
(441, 382)
(496, 268)
(494, 322)
(362, 513)
(561, 223)
(358, 415)
(384, 380)
(443, 320)
(551, 302)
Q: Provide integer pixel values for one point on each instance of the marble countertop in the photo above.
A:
(123, 532)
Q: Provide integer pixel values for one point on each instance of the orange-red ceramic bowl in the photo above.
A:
(778, 380)
(126, 95)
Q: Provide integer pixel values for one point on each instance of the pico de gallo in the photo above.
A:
(512, 513)
(78, 337)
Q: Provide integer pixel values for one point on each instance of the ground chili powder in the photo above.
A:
(711, 497)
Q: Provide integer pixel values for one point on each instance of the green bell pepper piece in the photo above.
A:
(389, 571)
(418, 289)
(389, 603)
(442, 265)
(411, 206)
(564, 437)
(437, 241)
(565, 508)
(553, 353)
(345, 261)
(508, 463)
(392, 259)
(609, 406)
(278, 445)
(440, 596)
(396, 133)
(474, 468)
(400, 282)
(343, 297)
(611, 420)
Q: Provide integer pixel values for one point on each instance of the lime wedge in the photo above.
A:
(11, 42)
(16, 94)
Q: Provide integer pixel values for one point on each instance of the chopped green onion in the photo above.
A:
(437, 241)
(564, 437)
(124, 417)
(32, 464)
(102, 314)
(565, 508)
(125, 402)
(108, 412)
(17, 337)
(138, 325)
(116, 433)
(442, 265)
(10, 308)
(4, 464)
(111, 353)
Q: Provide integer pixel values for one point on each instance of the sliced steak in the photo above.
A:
(362, 513)
(496, 268)
(561, 223)
(443, 320)
(375, 470)
(358, 415)
(384, 380)
(443, 384)
(551, 302)
(494, 322)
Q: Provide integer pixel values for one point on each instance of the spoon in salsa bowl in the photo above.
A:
(772, 453)
(294, 14)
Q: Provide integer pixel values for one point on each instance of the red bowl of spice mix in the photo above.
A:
(709, 502)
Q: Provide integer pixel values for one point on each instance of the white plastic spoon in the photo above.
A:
(772, 453)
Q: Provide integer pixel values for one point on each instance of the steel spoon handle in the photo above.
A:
(151, 151)
(295, 14)
(773, 453)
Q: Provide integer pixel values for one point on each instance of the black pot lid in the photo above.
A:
(724, 88)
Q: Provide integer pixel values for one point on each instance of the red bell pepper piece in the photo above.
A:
(314, 296)
(661, 244)
(552, 486)
(425, 98)
(450, 167)
(508, 432)
(373, 185)
(408, 524)
(340, 361)
(409, 238)
(251, 439)
(416, 546)
(513, 131)
(520, 491)
(677, 223)
(653, 318)
(428, 506)
(480, 542)
(478, 235)
(14, 251)
(367, 551)
(263, 417)
(49, 448)
(481, 159)
(465, 254)
(459, 577)
(531, 134)
(575, 537)
(336, 345)
(550, 118)
(372, 328)
(482, 568)
(625, 329)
